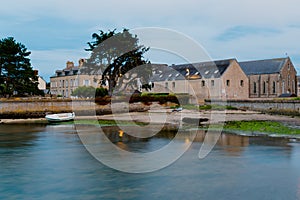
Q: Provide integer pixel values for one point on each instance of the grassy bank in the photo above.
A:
(267, 127)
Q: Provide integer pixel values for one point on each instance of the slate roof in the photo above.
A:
(269, 66)
(211, 69)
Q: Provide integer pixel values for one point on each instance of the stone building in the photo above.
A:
(65, 81)
(298, 86)
(270, 78)
(206, 80)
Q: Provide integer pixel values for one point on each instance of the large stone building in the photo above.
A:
(207, 80)
(229, 79)
(65, 81)
(270, 78)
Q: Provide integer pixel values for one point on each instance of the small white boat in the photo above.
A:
(177, 109)
(61, 117)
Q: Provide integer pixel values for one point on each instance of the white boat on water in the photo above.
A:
(61, 117)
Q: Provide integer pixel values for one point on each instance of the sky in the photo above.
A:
(57, 31)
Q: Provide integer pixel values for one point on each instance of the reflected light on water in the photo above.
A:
(121, 133)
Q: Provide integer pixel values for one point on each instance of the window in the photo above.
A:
(76, 82)
(254, 87)
(86, 82)
(264, 87)
(166, 84)
(173, 85)
(274, 87)
(67, 83)
(289, 78)
(203, 83)
(212, 83)
(242, 83)
(228, 83)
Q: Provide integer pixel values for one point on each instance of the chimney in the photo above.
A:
(81, 61)
(35, 72)
(70, 65)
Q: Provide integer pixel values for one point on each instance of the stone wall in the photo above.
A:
(39, 108)
(271, 106)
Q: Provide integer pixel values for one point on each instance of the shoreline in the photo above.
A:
(167, 117)
(157, 116)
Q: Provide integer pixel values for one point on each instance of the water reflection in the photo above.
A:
(231, 143)
(57, 166)
(18, 135)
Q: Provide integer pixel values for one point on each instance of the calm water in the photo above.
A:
(49, 162)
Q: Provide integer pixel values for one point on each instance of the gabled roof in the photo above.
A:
(269, 66)
(211, 69)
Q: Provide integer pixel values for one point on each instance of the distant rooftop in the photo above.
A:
(210, 69)
(268, 66)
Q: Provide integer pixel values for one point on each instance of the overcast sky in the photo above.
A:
(56, 31)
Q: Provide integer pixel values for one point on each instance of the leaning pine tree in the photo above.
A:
(113, 55)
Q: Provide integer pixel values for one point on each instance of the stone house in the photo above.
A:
(270, 78)
(223, 79)
(65, 81)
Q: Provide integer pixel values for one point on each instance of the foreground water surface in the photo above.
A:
(50, 162)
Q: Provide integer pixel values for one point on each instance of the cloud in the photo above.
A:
(237, 32)
(243, 29)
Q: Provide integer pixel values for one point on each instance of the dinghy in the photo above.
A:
(61, 117)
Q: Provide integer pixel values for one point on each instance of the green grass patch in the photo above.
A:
(216, 107)
(268, 127)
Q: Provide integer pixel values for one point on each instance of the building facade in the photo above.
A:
(65, 81)
(206, 80)
(271, 78)
(230, 79)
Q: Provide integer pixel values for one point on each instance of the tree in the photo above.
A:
(16, 73)
(113, 55)
(84, 92)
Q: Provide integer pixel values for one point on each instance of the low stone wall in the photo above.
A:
(290, 107)
(38, 108)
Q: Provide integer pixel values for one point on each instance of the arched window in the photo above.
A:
(274, 87)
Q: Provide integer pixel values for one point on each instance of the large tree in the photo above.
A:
(113, 54)
(16, 73)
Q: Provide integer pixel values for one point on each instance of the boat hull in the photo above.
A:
(62, 117)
